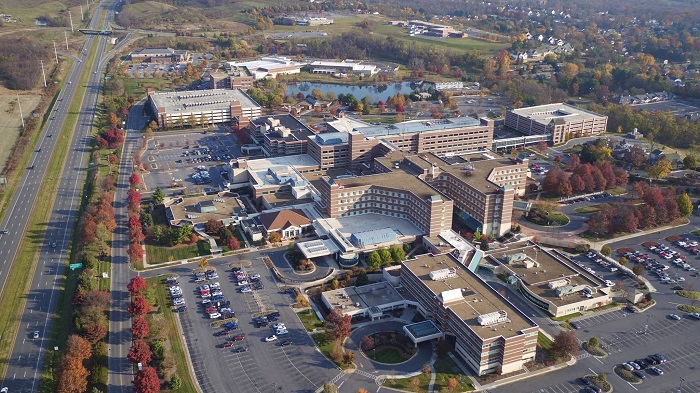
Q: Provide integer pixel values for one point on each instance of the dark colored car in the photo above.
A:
(639, 374)
(180, 309)
(286, 342)
(575, 325)
(239, 337)
(241, 349)
(221, 333)
(227, 344)
(273, 314)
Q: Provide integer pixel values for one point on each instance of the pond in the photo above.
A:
(375, 92)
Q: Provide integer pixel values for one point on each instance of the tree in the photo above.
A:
(78, 347)
(565, 344)
(374, 261)
(204, 262)
(594, 342)
(385, 255)
(362, 390)
(638, 269)
(338, 324)
(134, 180)
(653, 197)
(158, 196)
(213, 226)
(139, 328)
(415, 384)
(146, 381)
(72, 376)
(660, 170)
(452, 384)
(606, 250)
(685, 206)
(274, 237)
(94, 332)
(140, 352)
(233, 243)
(690, 162)
(367, 343)
(328, 387)
(138, 306)
(397, 253)
(623, 261)
(136, 285)
(135, 252)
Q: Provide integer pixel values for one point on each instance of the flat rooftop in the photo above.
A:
(226, 204)
(266, 63)
(416, 126)
(551, 268)
(481, 165)
(285, 200)
(477, 298)
(546, 113)
(201, 100)
(258, 169)
(298, 129)
(346, 124)
(353, 299)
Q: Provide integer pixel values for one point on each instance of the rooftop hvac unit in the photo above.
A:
(492, 318)
(442, 274)
(557, 283)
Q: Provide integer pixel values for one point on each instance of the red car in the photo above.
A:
(239, 337)
(210, 310)
(227, 344)
(222, 333)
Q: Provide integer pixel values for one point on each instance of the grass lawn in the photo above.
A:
(544, 343)
(166, 318)
(566, 317)
(159, 254)
(689, 308)
(695, 232)
(387, 355)
(136, 87)
(587, 209)
(695, 295)
(310, 320)
(325, 344)
(445, 369)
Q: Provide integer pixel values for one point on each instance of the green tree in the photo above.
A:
(157, 234)
(158, 196)
(594, 342)
(685, 206)
(385, 255)
(329, 388)
(660, 170)
(690, 162)
(335, 284)
(606, 250)
(397, 253)
(638, 269)
(374, 261)
(484, 244)
(623, 261)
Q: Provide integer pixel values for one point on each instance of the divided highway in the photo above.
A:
(26, 362)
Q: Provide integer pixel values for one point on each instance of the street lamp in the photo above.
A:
(646, 326)
(680, 387)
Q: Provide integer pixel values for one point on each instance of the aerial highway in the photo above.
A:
(26, 361)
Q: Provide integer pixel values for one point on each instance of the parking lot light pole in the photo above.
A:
(680, 387)
(646, 326)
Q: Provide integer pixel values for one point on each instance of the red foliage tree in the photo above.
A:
(134, 179)
(113, 159)
(138, 306)
(233, 243)
(133, 199)
(139, 328)
(78, 347)
(653, 197)
(135, 251)
(94, 332)
(573, 162)
(136, 285)
(140, 352)
(146, 381)
(338, 324)
(72, 377)
(87, 231)
(621, 177)
(607, 171)
(577, 184)
(101, 143)
(134, 222)
(114, 137)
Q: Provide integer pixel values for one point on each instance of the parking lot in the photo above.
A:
(189, 160)
(241, 360)
(154, 70)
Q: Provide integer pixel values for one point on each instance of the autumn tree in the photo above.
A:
(213, 226)
(638, 269)
(660, 170)
(233, 243)
(133, 200)
(565, 344)
(140, 352)
(606, 250)
(685, 206)
(73, 375)
(139, 328)
(690, 162)
(452, 384)
(134, 180)
(146, 381)
(136, 285)
(135, 252)
(138, 306)
(338, 324)
(274, 237)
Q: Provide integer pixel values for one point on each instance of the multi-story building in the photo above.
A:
(342, 67)
(482, 185)
(488, 332)
(392, 192)
(281, 135)
(172, 109)
(160, 55)
(443, 137)
(560, 121)
(268, 67)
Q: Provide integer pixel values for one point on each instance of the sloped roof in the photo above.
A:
(283, 219)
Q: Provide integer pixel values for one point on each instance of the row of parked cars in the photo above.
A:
(649, 363)
(247, 283)
(597, 258)
(175, 293)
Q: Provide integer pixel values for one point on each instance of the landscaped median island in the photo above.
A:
(626, 374)
(601, 381)
(448, 377)
(593, 347)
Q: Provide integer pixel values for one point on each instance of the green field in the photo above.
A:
(136, 87)
(445, 369)
(159, 254)
(28, 10)
(310, 320)
(388, 356)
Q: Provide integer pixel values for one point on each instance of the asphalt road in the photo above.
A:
(26, 362)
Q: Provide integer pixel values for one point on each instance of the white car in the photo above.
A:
(280, 332)
(215, 315)
(609, 283)
(680, 279)
(179, 301)
(271, 338)
(279, 325)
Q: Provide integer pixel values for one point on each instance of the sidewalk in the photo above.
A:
(519, 377)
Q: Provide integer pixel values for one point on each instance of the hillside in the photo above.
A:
(28, 11)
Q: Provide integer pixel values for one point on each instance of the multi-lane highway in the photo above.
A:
(26, 362)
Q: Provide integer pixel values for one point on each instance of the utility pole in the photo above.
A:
(71, 22)
(43, 72)
(81, 13)
(65, 34)
(20, 111)
(55, 52)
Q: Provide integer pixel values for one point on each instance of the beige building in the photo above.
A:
(560, 121)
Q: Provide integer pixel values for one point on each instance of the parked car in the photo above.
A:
(675, 317)
(639, 374)
(271, 338)
(286, 342)
(239, 337)
(656, 370)
(215, 315)
(241, 349)
(180, 309)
